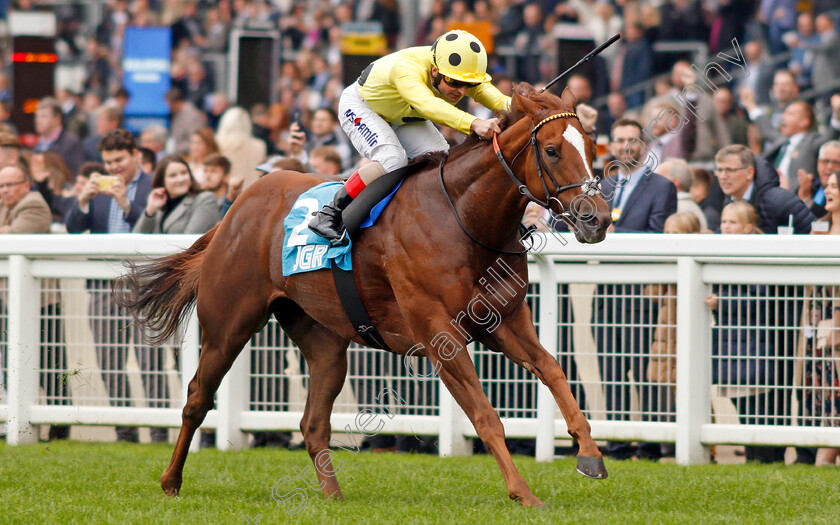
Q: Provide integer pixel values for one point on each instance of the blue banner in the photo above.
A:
(146, 63)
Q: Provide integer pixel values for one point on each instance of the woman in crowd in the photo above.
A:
(741, 346)
(820, 398)
(237, 142)
(176, 204)
(202, 145)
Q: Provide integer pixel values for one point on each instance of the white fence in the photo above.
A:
(592, 311)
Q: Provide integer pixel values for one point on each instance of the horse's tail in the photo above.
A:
(158, 294)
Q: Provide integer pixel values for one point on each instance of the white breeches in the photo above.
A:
(377, 139)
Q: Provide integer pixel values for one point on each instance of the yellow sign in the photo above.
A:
(363, 44)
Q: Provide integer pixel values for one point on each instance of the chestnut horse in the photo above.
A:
(416, 270)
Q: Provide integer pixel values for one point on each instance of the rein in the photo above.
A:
(590, 184)
(461, 224)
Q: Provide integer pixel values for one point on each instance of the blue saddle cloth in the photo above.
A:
(305, 250)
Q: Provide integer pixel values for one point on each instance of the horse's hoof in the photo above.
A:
(532, 501)
(170, 488)
(592, 467)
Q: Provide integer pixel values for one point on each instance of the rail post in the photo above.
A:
(23, 350)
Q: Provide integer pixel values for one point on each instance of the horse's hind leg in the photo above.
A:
(517, 338)
(326, 355)
(225, 332)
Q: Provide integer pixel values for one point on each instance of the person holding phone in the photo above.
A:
(112, 203)
(390, 112)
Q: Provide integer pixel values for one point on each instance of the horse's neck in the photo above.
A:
(488, 202)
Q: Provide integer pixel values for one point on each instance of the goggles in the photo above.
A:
(457, 84)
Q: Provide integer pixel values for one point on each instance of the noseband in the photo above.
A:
(590, 185)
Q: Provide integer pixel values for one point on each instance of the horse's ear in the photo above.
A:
(524, 88)
(521, 100)
(568, 99)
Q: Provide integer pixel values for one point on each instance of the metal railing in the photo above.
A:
(600, 310)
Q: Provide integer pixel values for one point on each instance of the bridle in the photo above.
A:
(590, 185)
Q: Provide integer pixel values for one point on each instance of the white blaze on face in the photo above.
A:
(576, 139)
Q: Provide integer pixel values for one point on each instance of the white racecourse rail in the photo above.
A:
(567, 282)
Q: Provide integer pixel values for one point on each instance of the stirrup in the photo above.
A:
(339, 241)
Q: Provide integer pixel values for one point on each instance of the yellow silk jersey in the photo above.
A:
(399, 88)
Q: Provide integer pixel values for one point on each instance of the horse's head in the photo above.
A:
(560, 170)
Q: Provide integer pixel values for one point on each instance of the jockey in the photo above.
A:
(388, 112)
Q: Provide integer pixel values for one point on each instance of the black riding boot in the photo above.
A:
(328, 223)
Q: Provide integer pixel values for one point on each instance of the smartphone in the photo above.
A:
(106, 182)
(296, 118)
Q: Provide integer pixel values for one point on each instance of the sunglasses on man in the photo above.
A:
(458, 84)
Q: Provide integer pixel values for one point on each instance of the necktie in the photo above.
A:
(781, 155)
(616, 210)
(617, 202)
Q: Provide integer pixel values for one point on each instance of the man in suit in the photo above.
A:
(21, 210)
(113, 206)
(623, 317)
(25, 211)
(640, 199)
(798, 145)
(53, 137)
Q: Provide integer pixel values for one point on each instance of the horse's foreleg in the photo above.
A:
(460, 378)
(517, 338)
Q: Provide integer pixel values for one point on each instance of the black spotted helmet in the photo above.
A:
(460, 55)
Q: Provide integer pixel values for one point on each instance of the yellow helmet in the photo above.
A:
(460, 55)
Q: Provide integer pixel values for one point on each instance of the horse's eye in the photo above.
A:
(550, 151)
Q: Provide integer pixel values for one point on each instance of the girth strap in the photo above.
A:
(348, 293)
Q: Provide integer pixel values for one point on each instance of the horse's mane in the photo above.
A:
(544, 99)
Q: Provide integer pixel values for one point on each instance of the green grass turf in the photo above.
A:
(75, 482)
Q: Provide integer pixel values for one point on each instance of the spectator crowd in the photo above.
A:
(755, 151)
